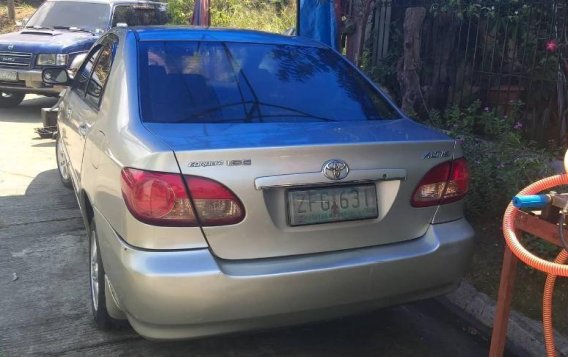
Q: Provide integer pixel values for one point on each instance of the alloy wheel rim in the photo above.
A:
(62, 161)
(94, 271)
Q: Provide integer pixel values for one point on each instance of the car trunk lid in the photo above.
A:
(273, 167)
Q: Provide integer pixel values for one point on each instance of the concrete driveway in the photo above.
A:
(44, 288)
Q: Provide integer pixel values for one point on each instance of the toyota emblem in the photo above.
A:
(335, 169)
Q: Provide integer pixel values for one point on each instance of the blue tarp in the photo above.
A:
(318, 21)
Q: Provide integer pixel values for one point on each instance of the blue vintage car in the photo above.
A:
(60, 33)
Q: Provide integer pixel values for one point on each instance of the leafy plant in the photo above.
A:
(501, 161)
(180, 11)
(266, 15)
(384, 71)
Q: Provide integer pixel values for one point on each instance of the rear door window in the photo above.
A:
(216, 82)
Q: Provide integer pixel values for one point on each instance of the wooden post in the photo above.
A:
(504, 298)
(11, 11)
(409, 65)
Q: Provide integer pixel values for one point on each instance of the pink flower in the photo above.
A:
(518, 125)
(551, 45)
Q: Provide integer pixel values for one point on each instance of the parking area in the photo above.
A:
(44, 294)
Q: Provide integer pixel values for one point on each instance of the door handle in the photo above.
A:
(83, 127)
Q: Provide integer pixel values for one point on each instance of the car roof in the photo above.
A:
(112, 2)
(195, 33)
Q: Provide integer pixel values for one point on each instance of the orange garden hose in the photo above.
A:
(547, 306)
(553, 269)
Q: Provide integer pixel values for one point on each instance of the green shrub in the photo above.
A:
(180, 11)
(266, 15)
(501, 161)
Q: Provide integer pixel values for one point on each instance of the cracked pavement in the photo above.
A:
(44, 291)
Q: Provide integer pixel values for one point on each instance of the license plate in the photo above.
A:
(332, 204)
(8, 76)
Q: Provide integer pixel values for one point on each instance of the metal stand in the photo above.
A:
(505, 296)
(536, 226)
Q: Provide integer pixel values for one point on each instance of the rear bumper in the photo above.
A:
(29, 81)
(184, 294)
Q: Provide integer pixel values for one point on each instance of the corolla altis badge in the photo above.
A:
(205, 163)
(440, 154)
(335, 169)
(245, 162)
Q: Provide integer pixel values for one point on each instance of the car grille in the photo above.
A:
(15, 59)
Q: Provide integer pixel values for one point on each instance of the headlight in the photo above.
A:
(51, 59)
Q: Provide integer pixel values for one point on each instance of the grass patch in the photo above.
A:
(485, 270)
(255, 15)
(265, 15)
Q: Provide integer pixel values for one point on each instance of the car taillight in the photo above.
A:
(445, 183)
(157, 198)
(215, 204)
(161, 199)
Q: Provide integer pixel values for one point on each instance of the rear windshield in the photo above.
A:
(65, 14)
(215, 82)
(140, 15)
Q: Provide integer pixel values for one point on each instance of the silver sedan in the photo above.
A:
(233, 180)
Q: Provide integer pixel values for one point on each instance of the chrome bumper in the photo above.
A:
(184, 294)
(29, 81)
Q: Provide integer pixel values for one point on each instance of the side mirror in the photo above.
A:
(76, 63)
(56, 76)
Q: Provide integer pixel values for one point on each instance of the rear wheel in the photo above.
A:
(62, 164)
(98, 286)
(11, 99)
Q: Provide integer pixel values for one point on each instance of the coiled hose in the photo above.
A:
(553, 269)
(547, 306)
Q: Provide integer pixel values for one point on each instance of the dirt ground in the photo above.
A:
(23, 11)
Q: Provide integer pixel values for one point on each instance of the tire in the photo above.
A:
(103, 320)
(11, 99)
(62, 164)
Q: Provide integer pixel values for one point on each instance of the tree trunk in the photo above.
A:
(409, 65)
(445, 27)
(11, 11)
